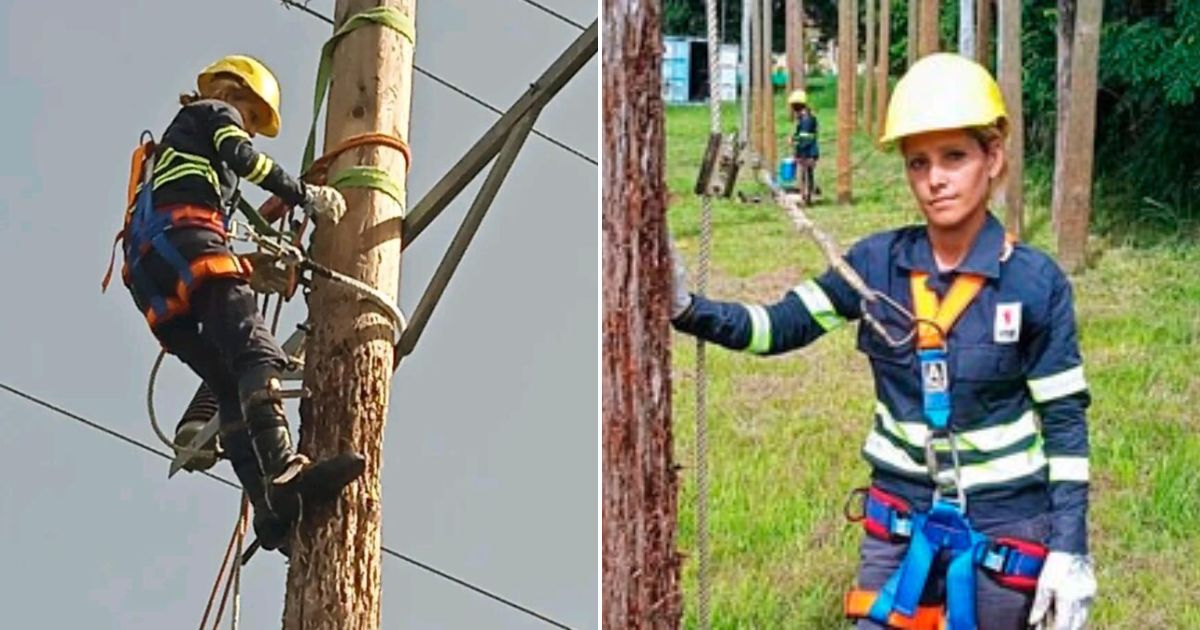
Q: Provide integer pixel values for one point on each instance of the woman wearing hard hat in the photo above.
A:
(976, 515)
(805, 150)
(193, 290)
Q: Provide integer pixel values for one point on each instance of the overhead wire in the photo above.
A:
(391, 552)
(462, 92)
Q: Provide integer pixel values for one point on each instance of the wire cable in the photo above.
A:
(395, 554)
(462, 92)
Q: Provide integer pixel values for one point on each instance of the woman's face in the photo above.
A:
(950, 174)
(252, 112)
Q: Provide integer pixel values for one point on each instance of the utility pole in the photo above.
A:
(756, 91)
(929, 39)
(640, 566)
(846, 45)
(868, 111)
(983, 34)
(881, 68)
(1073, 187)
(769, 135)
(913, 31)
(1009, 63)
(333, 580)
(744, 49)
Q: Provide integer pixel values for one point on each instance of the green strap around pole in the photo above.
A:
(384, 16)
(370, 177)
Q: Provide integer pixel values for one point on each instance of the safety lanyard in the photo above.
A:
(934, 321)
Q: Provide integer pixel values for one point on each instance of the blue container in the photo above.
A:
(787, 170)
(676, 61)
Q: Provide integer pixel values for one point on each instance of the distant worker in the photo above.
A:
(804, 144)
(976, 512)
(193, 290)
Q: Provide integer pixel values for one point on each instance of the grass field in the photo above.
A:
(785, 432)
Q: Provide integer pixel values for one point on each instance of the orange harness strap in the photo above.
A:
(858, 606)
(203, 268)
(925, 306)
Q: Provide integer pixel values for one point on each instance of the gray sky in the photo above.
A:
(490, 469)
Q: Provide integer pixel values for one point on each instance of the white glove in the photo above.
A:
(324, 203)
(1065, 591)
(680, 298)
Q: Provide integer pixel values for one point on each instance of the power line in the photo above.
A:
(548, 10)
(395, 554)
(469, 96)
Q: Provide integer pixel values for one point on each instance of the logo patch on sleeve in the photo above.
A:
(1008, 322)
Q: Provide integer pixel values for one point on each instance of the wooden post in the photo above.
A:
(756, 100)
(640, 565)
(912, 37)
(1062, 98)
(881, 68)
(333, 577)
(929, 39)
(845, 98)
(791, 18)
(868, 109)
(802, 44)
(772, 150)
(1009, 62)
(746, 84)
(966, 28)
(1076, 185)
(983, 34)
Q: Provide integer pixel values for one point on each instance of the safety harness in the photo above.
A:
(944, 528)
(145, 229)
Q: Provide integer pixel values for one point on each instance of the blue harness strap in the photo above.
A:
(944, 529)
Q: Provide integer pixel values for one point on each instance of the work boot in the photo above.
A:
(206, 456)
(290, 479)
(271, 530)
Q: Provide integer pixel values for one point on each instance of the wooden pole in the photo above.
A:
(769, 130)
(983, 34)
(929, 38)
(1009, 52)
(966, 28)
(845, 99)
(881, 68)
(1062, 94)
(912, 37)
(791, 19)
(745, 54)
(1076, 209)
(640, 565)
(334, 573)
(868, 108)
(756, 99)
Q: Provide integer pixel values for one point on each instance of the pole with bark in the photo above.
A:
(640, 566)
(881, 68)
(929, 36)
(333, 579)
(769, 132)
(868, 107)
(1009, 53)
(1073, 193)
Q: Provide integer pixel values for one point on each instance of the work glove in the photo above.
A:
(324, 204)
(1065, 591)
(681, 299)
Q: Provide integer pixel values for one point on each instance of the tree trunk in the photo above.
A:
(640, 563)
(333, 577)
(1066, 29)
(802, 44)
(1076, 208)
(791, 49)
(881, 68)
(1009, 62)
(769, 130)
(847, 18)
(929, 39)
(868, 109)
(912, 43)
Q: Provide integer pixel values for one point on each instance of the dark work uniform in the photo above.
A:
(1017, 386)
(805, 148)
(219, 334)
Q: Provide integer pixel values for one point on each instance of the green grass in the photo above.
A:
(784, 432)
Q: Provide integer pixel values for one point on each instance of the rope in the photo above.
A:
(701, 454)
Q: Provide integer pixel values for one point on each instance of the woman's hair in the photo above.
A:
(988, 137)
(222, 87)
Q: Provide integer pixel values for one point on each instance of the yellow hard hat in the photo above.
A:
(256, 76)
(942, 91)
(798, 97)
